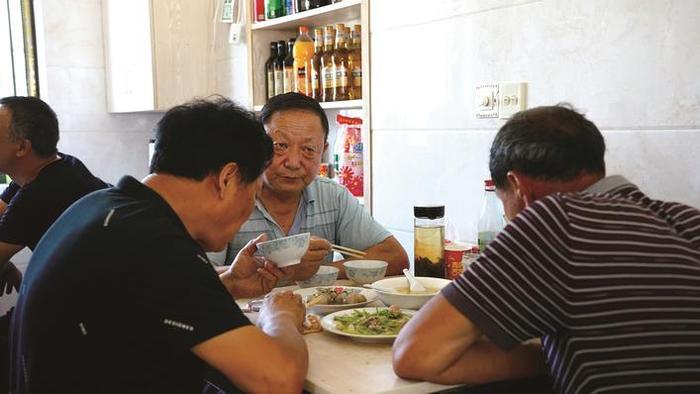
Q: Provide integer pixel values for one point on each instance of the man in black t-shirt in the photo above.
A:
(119, 296)
(44, 184)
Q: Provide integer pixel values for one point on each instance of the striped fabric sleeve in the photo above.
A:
(513, 292)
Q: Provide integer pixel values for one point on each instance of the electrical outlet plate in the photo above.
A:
(512, 98)
(486, 101)
(235, 34)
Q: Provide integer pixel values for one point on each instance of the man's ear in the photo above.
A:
(228, 179)
(520, 186)
(325, 147)
(25, 147)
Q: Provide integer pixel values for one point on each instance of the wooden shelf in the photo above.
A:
(326, 15)
(348, 104)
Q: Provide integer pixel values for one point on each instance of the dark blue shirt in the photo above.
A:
(116, 294)
(32, 208)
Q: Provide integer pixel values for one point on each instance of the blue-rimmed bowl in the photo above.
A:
(364, 272)
(325, 276)
(285, 251)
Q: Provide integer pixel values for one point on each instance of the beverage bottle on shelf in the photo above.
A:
(326, 65)
(270, 71)
(340, 65)
(274, 9)
(316, 65)
(302, 5)
(491, 218)
(355, 64)
(279, 67)
(289, 7)
(303, 54)
(259, 10)
(289, 78)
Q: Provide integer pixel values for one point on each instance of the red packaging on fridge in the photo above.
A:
(349, 150)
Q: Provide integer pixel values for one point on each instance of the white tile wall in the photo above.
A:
(631, 65)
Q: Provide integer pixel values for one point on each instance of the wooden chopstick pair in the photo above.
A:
(348, 251)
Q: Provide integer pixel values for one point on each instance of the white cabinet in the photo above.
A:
(158, 53)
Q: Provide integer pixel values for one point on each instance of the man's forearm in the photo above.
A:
(282, 329)
(484, 362)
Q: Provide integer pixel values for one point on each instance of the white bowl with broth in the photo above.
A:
(402, 297)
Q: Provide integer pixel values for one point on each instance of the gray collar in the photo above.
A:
(608, 184)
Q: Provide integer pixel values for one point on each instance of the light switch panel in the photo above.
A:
(486, 101)
(512, 98)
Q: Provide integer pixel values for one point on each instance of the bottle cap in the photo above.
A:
(303, 29)
(429, 212)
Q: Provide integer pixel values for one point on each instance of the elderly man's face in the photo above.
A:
(299, 143)
(8, 147)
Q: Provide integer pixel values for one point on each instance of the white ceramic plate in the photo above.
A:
(319, 309)
(328, 324)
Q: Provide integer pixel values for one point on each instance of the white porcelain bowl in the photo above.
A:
(408, 301)
(325, 276)
(285, 251)
(365, 271)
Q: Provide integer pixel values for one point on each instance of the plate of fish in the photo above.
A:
(327, 299)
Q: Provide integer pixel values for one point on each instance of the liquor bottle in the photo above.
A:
(491, 218)
(279, 67)
(316, 65)
(355, 64)
(274, 9)
(340, 65)
(302, 5)
(270, 71)
(327, 71)
(289, 67)
(289, 7)
(303, 54)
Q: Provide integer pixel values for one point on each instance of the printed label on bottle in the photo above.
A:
(328, 77)
(302, 86)
(270, 84)
(341, 77)
(279, 82)
(288, 80)
(357, 77)
(314, 79)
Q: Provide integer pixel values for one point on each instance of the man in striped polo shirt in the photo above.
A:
(607, 277)
(294, 200)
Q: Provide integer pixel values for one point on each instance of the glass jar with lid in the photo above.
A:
(429, 240)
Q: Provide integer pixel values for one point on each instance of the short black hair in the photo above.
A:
(293, 100)
(549, 143)
(198, 138)
(34, 120)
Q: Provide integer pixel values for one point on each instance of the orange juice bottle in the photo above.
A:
(303, 56)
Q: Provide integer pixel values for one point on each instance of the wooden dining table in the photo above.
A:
(342, 365)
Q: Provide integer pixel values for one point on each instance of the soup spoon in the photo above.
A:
(413, 284)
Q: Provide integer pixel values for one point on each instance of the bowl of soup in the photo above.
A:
(401, 295)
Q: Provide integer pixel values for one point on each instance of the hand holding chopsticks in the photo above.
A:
(348, 251)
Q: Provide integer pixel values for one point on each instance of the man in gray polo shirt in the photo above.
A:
(295, 200)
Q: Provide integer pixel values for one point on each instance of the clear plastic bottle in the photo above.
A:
(491, 218)
(303, 54)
